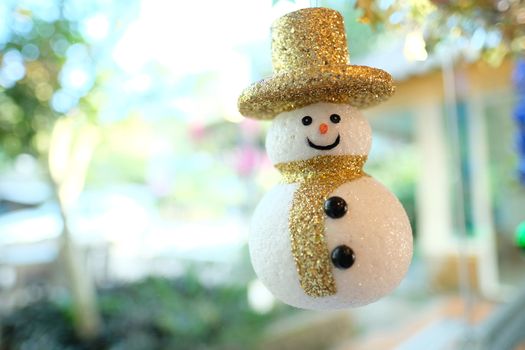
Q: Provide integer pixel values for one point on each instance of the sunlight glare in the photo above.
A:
(193, 38)
(96, 27)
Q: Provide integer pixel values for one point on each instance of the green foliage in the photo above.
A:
(47, 328)
(25, 108)
(155, 313)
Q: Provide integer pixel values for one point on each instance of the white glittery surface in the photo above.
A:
(286, 139)
(375, 227)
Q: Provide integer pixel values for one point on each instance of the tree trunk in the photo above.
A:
(72, 144)
(85, 311)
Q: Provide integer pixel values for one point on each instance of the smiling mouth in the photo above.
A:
(324, 148)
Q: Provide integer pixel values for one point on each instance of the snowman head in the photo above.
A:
(318, 129)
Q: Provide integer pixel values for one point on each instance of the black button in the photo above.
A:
(335, 207)
(343, 257)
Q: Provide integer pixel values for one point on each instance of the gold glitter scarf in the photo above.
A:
(317, 178)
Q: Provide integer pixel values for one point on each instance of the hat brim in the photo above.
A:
(359, 86)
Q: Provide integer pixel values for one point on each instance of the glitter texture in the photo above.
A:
(317, 178)
(311, 63)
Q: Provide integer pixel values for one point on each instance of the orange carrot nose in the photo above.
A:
(323, 128)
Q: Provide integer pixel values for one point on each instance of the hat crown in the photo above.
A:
(311, 37)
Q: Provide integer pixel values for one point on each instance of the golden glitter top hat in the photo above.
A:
(311, 64)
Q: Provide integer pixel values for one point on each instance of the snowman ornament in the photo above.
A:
(329, 235)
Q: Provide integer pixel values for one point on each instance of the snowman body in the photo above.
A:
(374, 224)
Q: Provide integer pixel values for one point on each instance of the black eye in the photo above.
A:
(335, 118)
(307, 120)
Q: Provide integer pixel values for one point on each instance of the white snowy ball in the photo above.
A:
(375, 227)
(310, 131)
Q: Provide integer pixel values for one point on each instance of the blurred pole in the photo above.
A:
(450, 95)
(483, 221)
(433, 196)
(70, 151)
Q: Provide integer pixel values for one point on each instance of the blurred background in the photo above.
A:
(128, 177)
